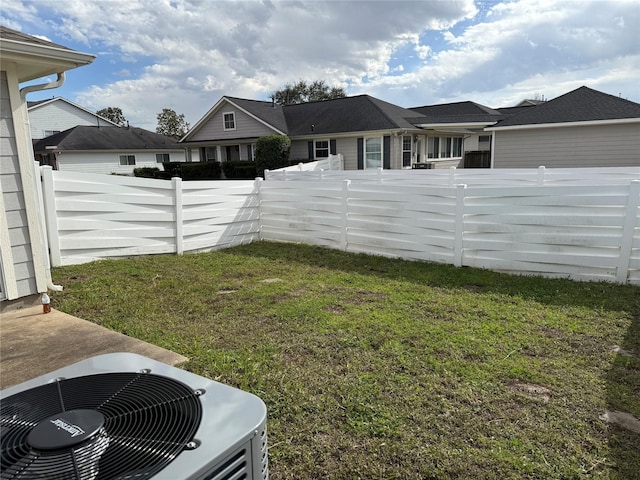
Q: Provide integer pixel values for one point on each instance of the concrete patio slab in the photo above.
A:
(33, 344)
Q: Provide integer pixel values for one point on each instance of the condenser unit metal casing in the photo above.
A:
(231, 439)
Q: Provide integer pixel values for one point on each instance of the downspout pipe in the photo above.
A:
(23, 94)
(42, 86)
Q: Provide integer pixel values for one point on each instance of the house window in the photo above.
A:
(48, 133)
(444, 147)
(406, 151)
(373, 152)
(127, 160)
(321, 148)
(433, 147)
(162, 157)
(208, 154)
(229, 120)
(251, 152)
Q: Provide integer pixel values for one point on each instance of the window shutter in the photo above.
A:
(360, 153)
(386, 152)
(311, 155)
(332, 146)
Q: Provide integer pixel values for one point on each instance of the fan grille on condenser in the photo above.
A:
(148, 420)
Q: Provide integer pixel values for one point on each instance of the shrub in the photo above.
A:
(272, 152)
(193, 170)
(240, 169)
(146, 172)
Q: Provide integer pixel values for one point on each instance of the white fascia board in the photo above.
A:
(590, 123)
(203, 119)
(364, 134)
(435, 126)
(34, 55)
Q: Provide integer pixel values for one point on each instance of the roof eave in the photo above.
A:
(455, 125)
(35, 61)
(588, 123)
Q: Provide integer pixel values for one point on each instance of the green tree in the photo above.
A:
(114, 114)
(272, 151)
(171, 124)
(303, 92)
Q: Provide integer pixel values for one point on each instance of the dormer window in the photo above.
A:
(229, 120)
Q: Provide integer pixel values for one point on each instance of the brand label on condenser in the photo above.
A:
(74, 430)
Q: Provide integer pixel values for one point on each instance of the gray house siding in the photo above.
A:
(583, 146)
(13, 198)
(246, 126)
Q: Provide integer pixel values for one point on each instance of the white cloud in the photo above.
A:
(185, 55)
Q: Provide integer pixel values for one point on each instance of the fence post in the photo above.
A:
(258, 191)
(177, 196)
(267, 173)
(379, 174)
(626, 242)
(51, 215)
(459, 226)
(541, 175)
(344, 238)
(452, 176)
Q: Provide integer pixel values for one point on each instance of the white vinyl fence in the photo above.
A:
(91, 216)
(574, 223)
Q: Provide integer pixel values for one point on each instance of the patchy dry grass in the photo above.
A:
(380, 368)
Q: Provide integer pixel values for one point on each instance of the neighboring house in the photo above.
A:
(368, 132)
(24, 262)
(582, 128)
(57, 114)
(454, 127)
(107, 150)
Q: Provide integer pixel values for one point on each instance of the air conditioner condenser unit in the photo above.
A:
(123, 416)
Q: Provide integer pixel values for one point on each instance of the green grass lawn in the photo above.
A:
(373, 368)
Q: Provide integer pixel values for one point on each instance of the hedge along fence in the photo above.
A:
(584, 232)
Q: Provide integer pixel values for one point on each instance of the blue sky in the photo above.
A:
(186, 54)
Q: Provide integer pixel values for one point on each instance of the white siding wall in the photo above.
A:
(109, 162)
(348, 147)
(60, 115)
(246, 126)
(299, 150)
(13, 202)
(587, 146)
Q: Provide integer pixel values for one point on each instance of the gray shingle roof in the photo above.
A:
(10, 34)
(580, 105)
(459, 112)
(349, 114)
(266, 111)
(106, 138)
